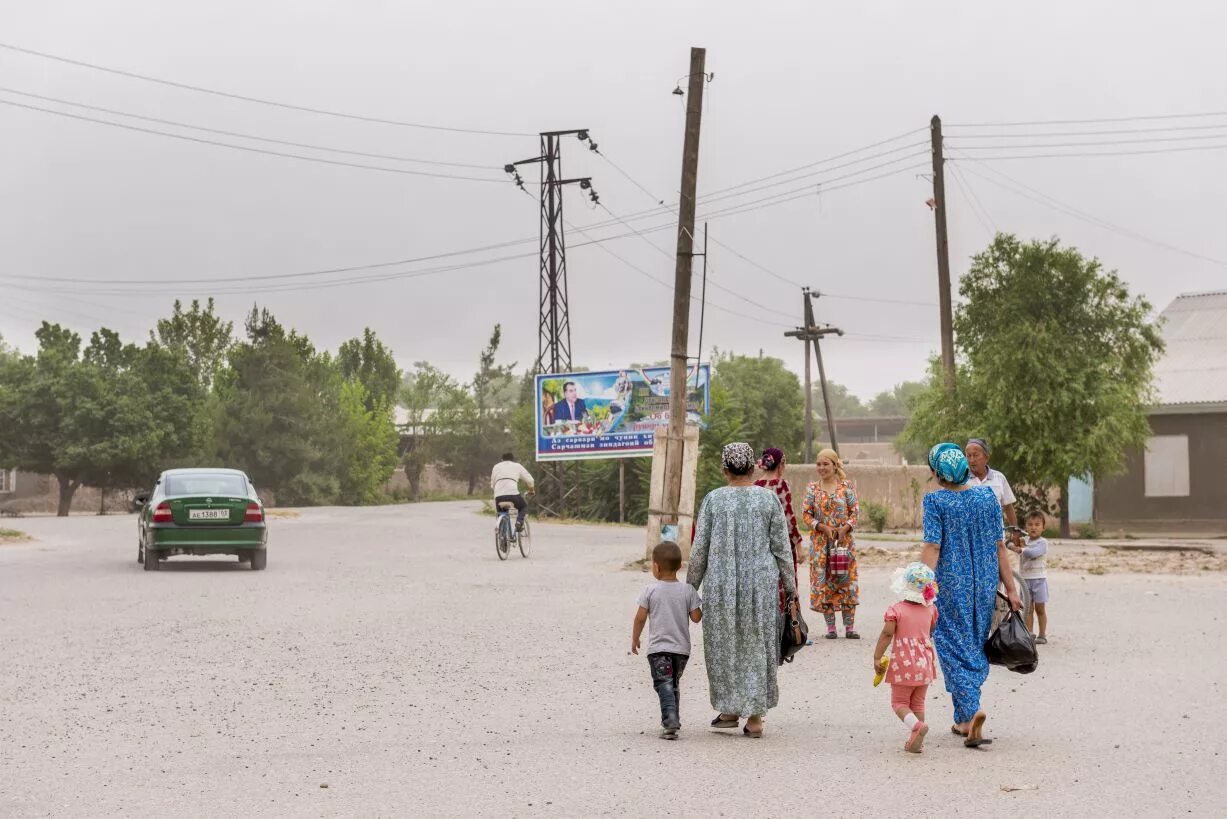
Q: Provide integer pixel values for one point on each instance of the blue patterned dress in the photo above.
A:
(741, 556)
(967, 526)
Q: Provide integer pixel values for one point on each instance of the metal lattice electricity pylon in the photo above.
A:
(554, 316)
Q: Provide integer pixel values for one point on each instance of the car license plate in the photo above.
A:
(208, 514)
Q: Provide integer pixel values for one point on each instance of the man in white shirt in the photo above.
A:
(977, 451)
(505, 481)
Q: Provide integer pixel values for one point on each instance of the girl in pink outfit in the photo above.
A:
(912, 662)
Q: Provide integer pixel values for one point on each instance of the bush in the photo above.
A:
(1090, 531)
(875, 514)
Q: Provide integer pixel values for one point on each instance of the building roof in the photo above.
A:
(1192, 373)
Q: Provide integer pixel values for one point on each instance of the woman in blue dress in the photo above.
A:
(963, 545)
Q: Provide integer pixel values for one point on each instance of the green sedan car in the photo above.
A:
(202, 512)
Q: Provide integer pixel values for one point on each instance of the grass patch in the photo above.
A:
(12, 536)
(1097, 569)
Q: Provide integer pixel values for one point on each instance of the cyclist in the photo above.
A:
(505, 480)
(977, 451)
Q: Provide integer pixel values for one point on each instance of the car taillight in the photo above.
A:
(254, 514)
(163, 514)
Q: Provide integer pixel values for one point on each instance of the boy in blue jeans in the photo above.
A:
(669, 604)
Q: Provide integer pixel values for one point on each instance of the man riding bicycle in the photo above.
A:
(505, 481)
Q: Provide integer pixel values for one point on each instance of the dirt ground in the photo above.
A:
(387, 664)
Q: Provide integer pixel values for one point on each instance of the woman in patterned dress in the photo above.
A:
(963, 545)
(740, 557)
(772, 466)
(831, 511)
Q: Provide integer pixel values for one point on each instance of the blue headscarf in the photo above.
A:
(950, 464)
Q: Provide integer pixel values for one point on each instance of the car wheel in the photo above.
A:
(259, 559)
(140, 552)
(152, 562)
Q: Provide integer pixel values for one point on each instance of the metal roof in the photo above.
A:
(1193, 368)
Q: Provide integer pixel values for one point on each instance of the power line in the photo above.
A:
(288, 106)
(1056, 204)
(240, 135)
(1162, 129)
(632, 179)
(249, 148)
(1090, 153)
(958, 179)
(1142, 141)
(1146, 117)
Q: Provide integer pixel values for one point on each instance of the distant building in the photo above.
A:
(1178, 483)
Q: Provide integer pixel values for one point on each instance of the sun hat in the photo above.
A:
(915, 583)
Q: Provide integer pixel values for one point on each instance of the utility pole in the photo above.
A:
(811, 333)
(554, 317)
(675, 449)
(943, 247)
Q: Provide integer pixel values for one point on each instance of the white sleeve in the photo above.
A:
(527, 478)
(1007, 494)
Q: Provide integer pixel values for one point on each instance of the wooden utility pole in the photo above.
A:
(811, 333)
(943, 246)
(674, 452)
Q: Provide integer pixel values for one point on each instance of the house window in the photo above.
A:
(8, 480)
(1167, 466)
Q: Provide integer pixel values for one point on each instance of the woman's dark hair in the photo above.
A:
(507, 456)
(667, 555)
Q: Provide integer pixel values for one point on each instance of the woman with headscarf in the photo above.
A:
(830, 511)
(740, 557)
(963, 545)
(772, 465)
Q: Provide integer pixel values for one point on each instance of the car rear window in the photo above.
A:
(206, 484)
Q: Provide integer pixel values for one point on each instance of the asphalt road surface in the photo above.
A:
(388, 664)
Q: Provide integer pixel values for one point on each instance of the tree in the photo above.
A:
(896, 402)
(425, 393)
(1054, 369)
(367, 361)
(476, 427)
(200, 335)
(843, 403)
(766, 398)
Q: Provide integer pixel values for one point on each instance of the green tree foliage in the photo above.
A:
(765, 397)
(200, 335)
(474, 427)
(896, 402)
(1054, 367)
(106, 418)
(843, 403)
(428, 396)
(725, 425)
(367, 361)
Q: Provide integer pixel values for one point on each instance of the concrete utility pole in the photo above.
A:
(943, 246)
(674, 452)
(812, 334)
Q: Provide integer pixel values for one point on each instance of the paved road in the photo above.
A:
(388, 654)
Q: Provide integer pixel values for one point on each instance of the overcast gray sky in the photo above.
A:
(795, 83)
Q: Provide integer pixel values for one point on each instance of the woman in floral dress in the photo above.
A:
(740, 556)
(831, 511)
(963, 545)
(772, 464)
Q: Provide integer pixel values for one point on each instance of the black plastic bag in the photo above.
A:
(795, 631)
(1012, 646)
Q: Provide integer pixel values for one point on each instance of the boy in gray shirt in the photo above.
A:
(670, 605)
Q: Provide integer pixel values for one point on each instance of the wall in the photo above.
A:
(1121, 502)
(434, 482)
(40, 494)
(898, 488)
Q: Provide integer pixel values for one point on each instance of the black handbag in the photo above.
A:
(1011, 645)
(795, 631)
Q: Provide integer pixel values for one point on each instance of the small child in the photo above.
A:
(668, 603)
(1034, 571)
(913, 663)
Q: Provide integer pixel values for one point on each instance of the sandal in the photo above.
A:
(915, 741)
(975, 734)
(832, 635)
(851, 635)
(721, 721)
(753, 734)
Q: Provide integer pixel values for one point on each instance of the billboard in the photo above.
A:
(611, 414)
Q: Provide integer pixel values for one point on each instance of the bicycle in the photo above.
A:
(505, 534)
(1001, 608)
